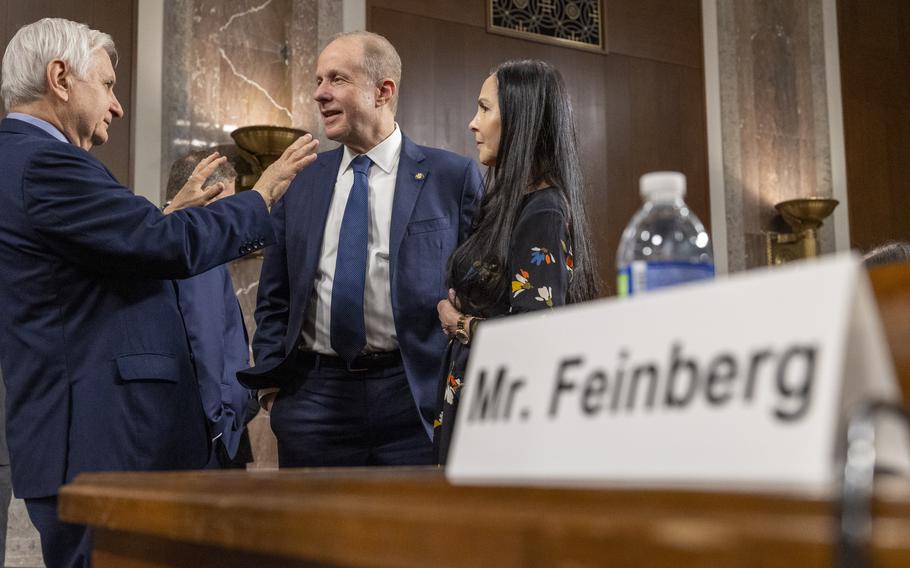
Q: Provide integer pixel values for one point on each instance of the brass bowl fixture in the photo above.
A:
(807, 212)
(804, 216)
(261, 145)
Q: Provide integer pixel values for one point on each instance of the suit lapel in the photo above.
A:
(411, 175)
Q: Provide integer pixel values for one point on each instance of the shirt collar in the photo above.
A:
(383, 154)
(42, 124)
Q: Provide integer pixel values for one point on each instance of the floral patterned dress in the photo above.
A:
(541, 264)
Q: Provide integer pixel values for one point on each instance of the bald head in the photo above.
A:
(357, 78)
(378, 58)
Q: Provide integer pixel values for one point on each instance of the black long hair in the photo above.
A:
(537, 146)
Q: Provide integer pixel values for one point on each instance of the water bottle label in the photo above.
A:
(641, 276)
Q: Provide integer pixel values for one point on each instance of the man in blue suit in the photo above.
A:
(217, 335)
(348, 348)
(92, 345)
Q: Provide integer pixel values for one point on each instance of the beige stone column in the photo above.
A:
(773, 117)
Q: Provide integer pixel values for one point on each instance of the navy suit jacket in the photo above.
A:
(436, 195)
(218, 342)
(92, 345)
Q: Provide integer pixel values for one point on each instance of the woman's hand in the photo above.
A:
(448, 313)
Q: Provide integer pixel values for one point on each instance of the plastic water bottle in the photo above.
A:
(665, 244)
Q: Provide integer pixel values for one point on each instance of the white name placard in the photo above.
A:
(741, 381)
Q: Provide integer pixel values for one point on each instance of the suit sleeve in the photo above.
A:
(471, 194)
(202, 306)
(81, 212)
(273, 298)
(205, 301)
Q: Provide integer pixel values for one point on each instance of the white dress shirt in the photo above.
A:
(377, 301)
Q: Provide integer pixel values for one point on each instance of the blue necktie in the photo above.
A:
(348, 330)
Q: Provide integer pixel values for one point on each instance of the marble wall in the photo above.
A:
(245, 274)
(235, 63)
(774, 117)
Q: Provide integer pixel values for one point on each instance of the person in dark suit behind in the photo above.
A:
(347, 340)
(217, 335)
(93, 348)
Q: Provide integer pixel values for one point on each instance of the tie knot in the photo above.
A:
(361, 164)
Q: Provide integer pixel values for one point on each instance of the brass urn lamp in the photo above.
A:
(804, 216)
(260, 146)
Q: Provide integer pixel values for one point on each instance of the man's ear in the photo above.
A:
(59, 79)
(385, 92)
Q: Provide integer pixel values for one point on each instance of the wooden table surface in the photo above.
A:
(414, 517)
(891, 287)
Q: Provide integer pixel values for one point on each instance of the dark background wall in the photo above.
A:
(874, 42)
(639, 108)
(115, 17)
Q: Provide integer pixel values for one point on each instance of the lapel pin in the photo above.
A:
(419, 176)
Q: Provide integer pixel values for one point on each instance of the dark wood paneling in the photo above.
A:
(467, 12)
(655, 120)
(875, 82)
(116, 17)
(891, 285)
(634, 114)
(662, 30)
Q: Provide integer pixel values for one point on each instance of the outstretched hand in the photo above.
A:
(192, 194)
(276, 178)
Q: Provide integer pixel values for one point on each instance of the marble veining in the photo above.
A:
(235, 63)
(252, 10)
(245, 290)
(253, 83)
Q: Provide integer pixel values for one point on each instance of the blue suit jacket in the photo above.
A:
(436, 195)
(92, 344)
(218, 342)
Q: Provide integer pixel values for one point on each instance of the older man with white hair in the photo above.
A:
(94, 351)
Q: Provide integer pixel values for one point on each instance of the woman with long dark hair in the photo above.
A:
(530, 249)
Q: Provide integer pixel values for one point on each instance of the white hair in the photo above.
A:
(25, 61)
